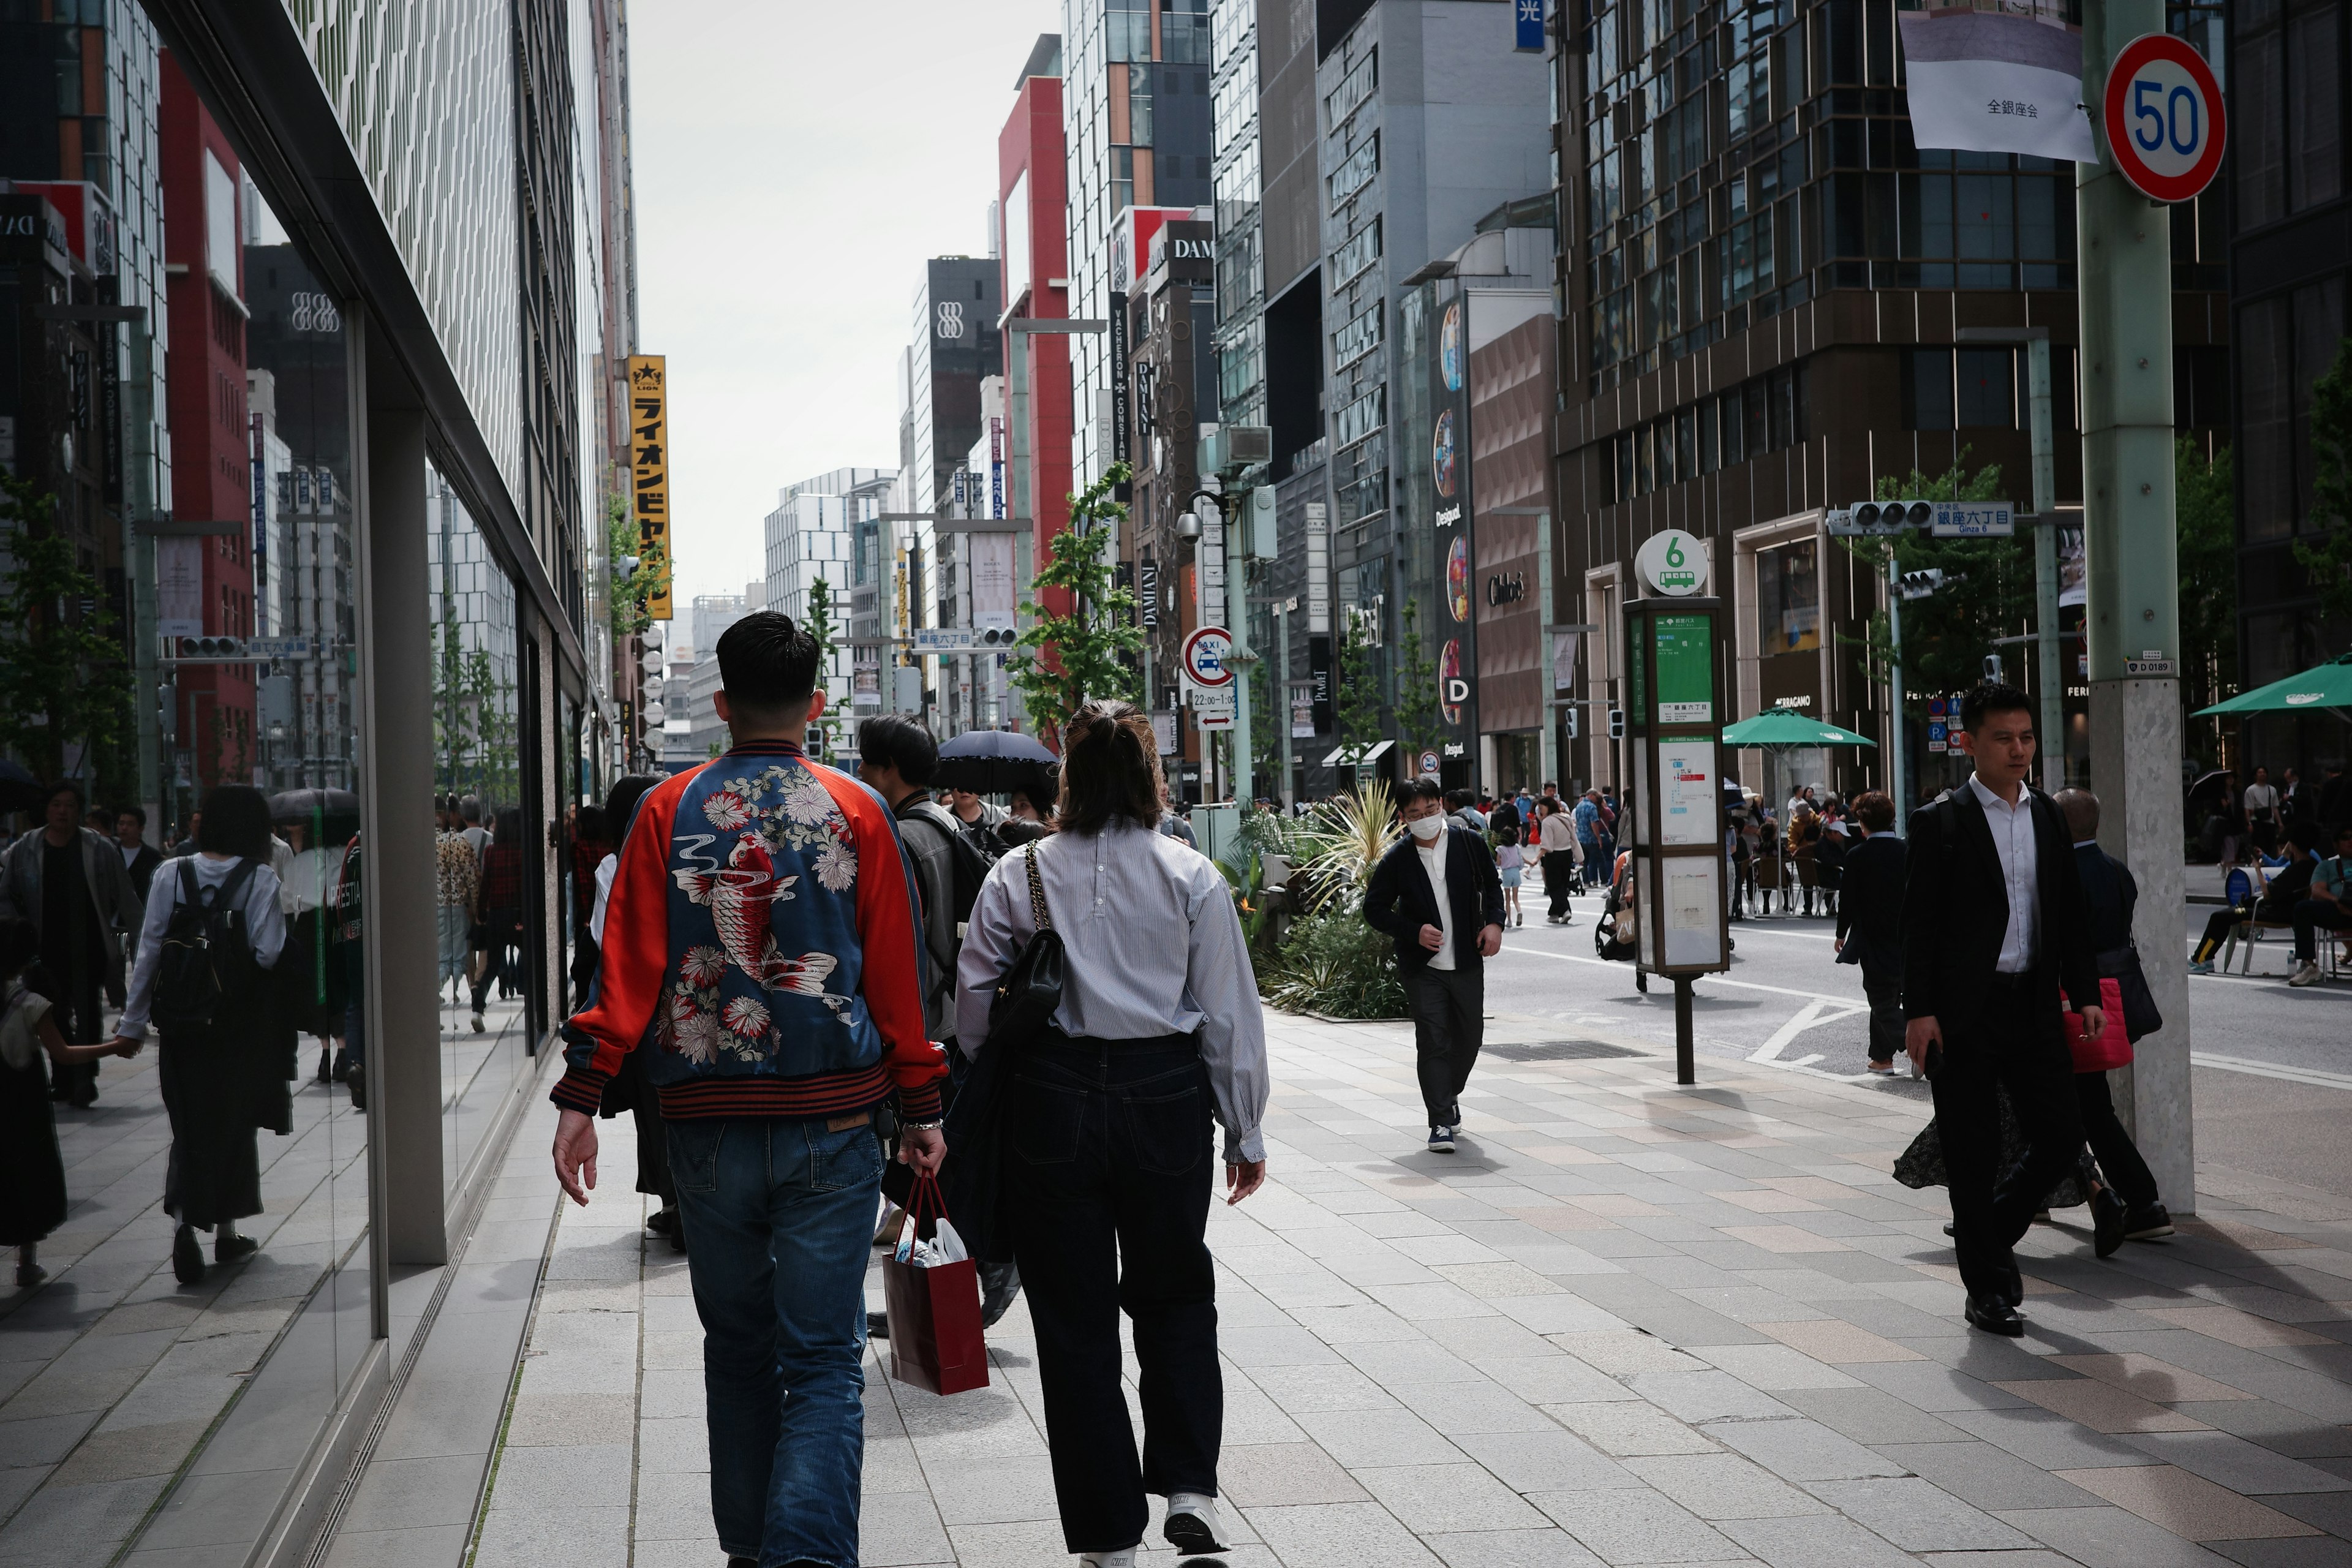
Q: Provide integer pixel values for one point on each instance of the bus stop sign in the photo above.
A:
(2164, 116)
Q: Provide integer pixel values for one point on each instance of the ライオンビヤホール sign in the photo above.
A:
(1672, 563)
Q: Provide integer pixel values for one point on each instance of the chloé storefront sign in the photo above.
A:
(1505, 588)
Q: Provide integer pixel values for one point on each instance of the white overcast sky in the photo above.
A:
(794, 163)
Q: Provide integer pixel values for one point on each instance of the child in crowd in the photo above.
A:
(1510, 864)
(32, 1171)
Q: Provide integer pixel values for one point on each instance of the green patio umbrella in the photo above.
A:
(1786, 727)
(2328, 687)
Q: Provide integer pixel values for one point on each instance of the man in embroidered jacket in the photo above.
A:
(760, 946)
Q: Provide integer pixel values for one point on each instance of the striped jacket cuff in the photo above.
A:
(919, 1102)
(579, 1089)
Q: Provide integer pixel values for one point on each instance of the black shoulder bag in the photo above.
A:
(1023, 1007)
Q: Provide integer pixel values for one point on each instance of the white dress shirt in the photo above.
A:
(1433, 860)
(2013, 840)
(1154, 948)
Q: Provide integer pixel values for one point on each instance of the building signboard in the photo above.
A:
(649, 473)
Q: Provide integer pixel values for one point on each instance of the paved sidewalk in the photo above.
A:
(1627, 1323)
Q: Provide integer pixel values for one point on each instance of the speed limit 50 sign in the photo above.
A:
(2164, 116)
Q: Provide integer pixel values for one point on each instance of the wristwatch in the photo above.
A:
(921, 1126)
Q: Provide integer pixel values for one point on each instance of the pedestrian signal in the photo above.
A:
(1616, 724)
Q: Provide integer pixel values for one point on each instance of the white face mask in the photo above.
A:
(1427, 828)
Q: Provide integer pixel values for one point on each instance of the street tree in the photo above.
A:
(1358, 714)
(65, 693)
(2328, 558)
(1067, 656)
(2204, 502)
(1419, 721)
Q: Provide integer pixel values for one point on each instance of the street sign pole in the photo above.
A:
(2134, 620)
(1895, 782)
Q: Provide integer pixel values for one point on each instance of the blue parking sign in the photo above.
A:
(1530, 24)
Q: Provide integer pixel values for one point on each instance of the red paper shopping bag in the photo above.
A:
(935, 1336)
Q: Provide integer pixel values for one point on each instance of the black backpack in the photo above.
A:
(971, 865)
(207, 954)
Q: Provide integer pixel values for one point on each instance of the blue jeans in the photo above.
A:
(780, 1216)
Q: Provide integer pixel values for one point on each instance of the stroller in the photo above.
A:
(1612, 934)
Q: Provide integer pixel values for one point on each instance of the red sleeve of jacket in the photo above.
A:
(636, 956)
(889, 975)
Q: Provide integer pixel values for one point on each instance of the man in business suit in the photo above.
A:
(1436, 893)
(1993, 925)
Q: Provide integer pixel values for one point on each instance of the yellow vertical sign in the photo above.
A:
(649, 467)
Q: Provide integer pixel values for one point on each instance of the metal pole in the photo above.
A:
(1895, 780)
(1279, 687)
(1685, 1062)
(1237, 622)
(2046, 674)
(2134, 620)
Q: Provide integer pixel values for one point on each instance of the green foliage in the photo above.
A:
(1359, 715)
(1268, 716)
(819, 622)
(626, 604)
(1067, 658)
(2208, 546)
(1987, 588)
(1419, 723)
(475, 732)
(63, 682)
(2329, 559)
(1337, 965)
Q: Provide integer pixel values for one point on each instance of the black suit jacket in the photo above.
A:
(1870, 906)
(1400, 899)
(142, 871)
(1956, 912)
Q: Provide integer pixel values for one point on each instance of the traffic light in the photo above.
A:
(995, 636)
(1575, 720)
(1891, 514)
(1919, 584)
(1616, 724)
(212, 648)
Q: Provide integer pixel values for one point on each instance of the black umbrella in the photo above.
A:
(305, 805)
(991, 761)
(19, 790)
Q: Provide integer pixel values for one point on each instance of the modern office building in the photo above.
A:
(1135, 121)
(830, 528)
(1767, 291)
(1235, 180)
(412, 301)
(2290, 254)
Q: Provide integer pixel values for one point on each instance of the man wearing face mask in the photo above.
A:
(1436, 892)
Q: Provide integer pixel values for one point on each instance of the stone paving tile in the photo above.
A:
(1632, 1325)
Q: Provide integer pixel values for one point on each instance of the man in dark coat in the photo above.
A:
(1436, 892)
(1869, 916)
(1994, 926)
(71, 884)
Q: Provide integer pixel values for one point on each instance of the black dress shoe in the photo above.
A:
(1994, 1317)
(2106, 1222)
(187, 1255)
(999, 1284)
(233, 1248)
(877, 1325)
(2147, 1223)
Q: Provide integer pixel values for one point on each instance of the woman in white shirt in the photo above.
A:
(628, 1091)
(214, 1077)
(1106, 1157)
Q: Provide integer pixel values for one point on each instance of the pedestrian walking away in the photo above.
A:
(1993, 927)
(2126, 1205)
(1869, 918)
(759, 946)
(1510, 868)
(72, 885)
(629, 1090)
(207, 957)
(1106, 1163)
(1556, 840)
(1436, 893)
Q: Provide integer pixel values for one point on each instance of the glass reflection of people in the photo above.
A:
(313, 997)
(70, 883)
(498, 910)
(216, 1076)
(347, 958)
(32, 1170)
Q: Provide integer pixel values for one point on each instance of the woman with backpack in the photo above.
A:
(214, 927)
(32, 1171)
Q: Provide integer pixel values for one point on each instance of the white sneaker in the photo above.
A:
(1193, 1527)
(885, 1230)
(1122, 1558)
(2305, 974)
(477, 1023)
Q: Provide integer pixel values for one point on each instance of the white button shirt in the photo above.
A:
(1433, 860)
(2013, 840)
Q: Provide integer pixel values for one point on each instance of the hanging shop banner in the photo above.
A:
(649, 472)
(1319, 675)
(1981, 81)
(1319, 569)
(2074, 571)
(180, 586)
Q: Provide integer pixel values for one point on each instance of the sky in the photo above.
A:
(794, 163)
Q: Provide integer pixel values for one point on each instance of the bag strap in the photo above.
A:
(189, 892)
(1038, 915)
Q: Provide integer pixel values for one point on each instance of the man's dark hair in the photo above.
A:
(136, 812)
(895, 741)
(1455, 799)
(1991, 697)
(64, 786)
(235, 821)
(1875, 811)
(768, 666)
(1110, 768)
(621, 803)
(1425, 787)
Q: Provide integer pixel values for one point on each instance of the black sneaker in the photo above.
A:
(356, 1075)
(999, 1284)
(187, 1255)
(2147, 1223)
(877, 1325)
(1454, 1115)
(2107, 1222)
(233, 1248)
(1441, 1140)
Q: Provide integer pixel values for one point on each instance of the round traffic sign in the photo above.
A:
(1206, 655)
(1428, 761)
(2164, 116)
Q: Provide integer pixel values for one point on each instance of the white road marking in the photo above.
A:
(2269, 1069)
(1804, 1018)
(1704, 979)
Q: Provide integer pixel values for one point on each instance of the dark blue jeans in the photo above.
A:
(780, 1215)
(1107, 1171)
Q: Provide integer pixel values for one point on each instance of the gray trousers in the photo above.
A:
(1449, 1021)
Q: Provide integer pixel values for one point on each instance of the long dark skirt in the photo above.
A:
(208, 1078)
(32, 1172)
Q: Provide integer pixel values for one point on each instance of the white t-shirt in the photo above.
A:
(2261, 800)
(1433, 860)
